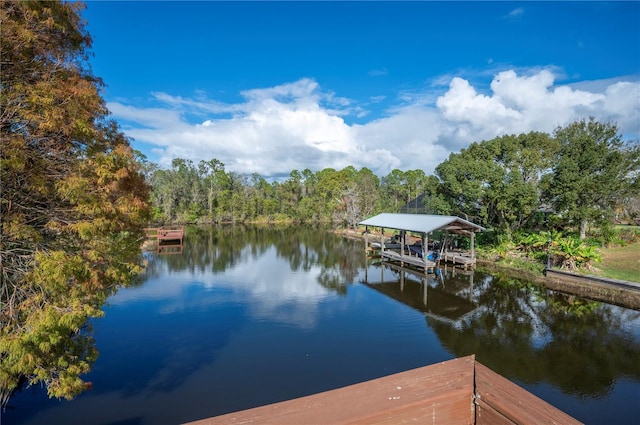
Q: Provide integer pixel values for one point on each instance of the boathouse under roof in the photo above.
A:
(423, 223)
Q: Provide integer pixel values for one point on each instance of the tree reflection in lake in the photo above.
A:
(581, 350)
(523, 331)
(246, 316)
(218, 248)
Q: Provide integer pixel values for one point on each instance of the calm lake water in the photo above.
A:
(249, 316)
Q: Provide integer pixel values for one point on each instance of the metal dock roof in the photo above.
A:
(422, 223)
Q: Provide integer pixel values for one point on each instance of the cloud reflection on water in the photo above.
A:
(265, 282)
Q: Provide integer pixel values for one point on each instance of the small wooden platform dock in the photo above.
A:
(163, 234)
(458, 391)
(165, 240)
(458, 258)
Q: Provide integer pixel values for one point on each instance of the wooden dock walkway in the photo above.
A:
(426, 265)
(458, 258)
(458, 391)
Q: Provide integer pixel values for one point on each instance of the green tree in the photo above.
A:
(328, 191)
(307, 209)
(594, 172)
(496, 182)
(393, 190)
(216, 178)
(415, 182)
(434, 201)
(291, 193)
(368, 189)
(73, 199)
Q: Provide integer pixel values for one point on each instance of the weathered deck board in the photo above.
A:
(485, 414)
(501, 401)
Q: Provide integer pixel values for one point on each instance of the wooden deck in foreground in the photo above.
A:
(459, 391)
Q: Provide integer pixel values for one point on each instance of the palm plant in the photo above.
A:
(574, 254)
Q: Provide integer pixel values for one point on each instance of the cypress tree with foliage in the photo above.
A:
(73, 199)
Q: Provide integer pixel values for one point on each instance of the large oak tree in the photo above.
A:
(495, 182)
(593, 173)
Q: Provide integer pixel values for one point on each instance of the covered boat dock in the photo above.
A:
(423, 224)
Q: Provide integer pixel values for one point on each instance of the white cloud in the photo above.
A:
(378, 72)
(517, 12)
(300, 125)
(521, 104)
(147, 117)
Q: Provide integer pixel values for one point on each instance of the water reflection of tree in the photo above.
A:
(215, 249)
(340, 263)
(582, 347)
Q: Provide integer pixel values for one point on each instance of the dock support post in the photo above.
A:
(403, 242)
(366, 239)
(473, 247)
(425, 245)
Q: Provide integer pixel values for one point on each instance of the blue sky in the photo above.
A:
(269, 87)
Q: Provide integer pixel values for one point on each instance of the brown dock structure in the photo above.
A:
(458, 258)
(413, 260)
(424, 225)
(165, 240)
(458, 391)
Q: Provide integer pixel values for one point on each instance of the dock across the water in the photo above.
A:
(413, 260)
(165, 240)
(458, 258)
(162, 234)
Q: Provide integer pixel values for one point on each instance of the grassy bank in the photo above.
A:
(621, 263)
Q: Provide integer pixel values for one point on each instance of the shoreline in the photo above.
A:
(621, 293)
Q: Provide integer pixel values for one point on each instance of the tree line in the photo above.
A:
(582, 175)
(206, 192)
